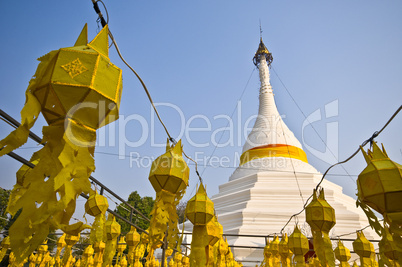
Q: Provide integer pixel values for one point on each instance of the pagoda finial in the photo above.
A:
(262, 51)
(260, 30)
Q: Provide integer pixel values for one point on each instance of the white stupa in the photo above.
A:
(265, 190)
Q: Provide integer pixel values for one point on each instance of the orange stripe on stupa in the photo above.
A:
(276, 150)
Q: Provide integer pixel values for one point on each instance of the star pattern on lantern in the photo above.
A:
(74, 68)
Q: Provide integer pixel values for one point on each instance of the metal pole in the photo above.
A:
(164, 246)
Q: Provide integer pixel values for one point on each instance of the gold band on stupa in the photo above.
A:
(276, 150)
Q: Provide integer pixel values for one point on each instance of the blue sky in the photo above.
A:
(196, 59)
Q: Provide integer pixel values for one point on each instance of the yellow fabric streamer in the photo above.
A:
(277, 150)
(50, 202)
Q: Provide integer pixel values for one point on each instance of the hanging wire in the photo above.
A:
(143, 85)
(196, 166)
(354, 232)
(291, 162)
(371, 139)
(103, 22)
(297, 105)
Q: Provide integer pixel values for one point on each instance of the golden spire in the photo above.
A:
(262, 51)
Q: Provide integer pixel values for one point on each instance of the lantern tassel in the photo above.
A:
(66, 256)
(110, 251)
(47, 193)
(397, 236)
(373, 220)
(198, 256)
(323, 248)
(98, 229)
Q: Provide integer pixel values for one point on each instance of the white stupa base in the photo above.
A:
(261, 204)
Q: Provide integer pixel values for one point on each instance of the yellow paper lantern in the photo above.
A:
(96, 204)
(200, 209)
(169, 172)
(298, 244)
(284, 251)
(121, 246)
(363, 248)
(319, 214)
(113, 228)
(81, 83)
(380, 184)
(274, 248)
(342, 254)
(133, 237)
(267, 255)
(78, 90)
